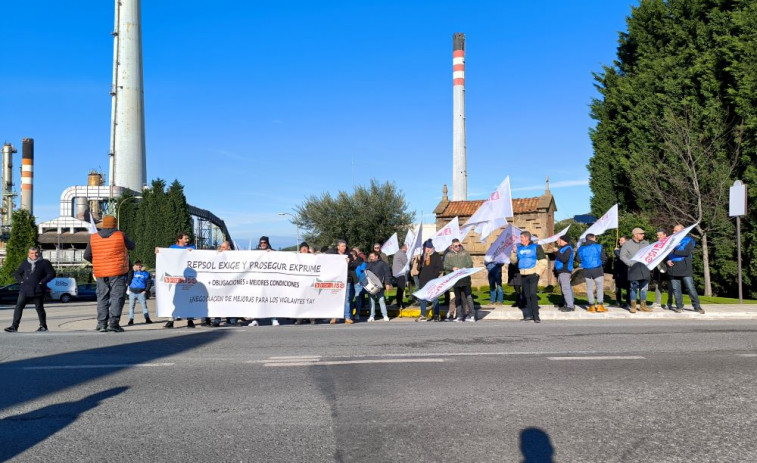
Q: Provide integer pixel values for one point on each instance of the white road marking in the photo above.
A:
(601, 357)
(111, 365)
(295, 357)
(350, 362)
(746, 355)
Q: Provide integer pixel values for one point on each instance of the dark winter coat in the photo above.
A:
(34, 283)
(682, 268)
(381, 270)
(433, 270)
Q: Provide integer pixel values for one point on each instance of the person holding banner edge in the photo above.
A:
(430, 267)
(458, 258)
(638, 273)
(680, 271)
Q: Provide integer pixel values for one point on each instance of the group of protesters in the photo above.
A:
(370, 276)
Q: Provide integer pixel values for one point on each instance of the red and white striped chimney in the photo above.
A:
(27, 174)
(459, 173)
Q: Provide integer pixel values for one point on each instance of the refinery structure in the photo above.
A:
(64, 238)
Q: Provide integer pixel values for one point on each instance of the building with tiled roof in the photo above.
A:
(536, 215)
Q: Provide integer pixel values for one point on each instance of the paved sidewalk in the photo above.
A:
(81, 316)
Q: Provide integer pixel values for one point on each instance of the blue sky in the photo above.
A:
(254, 106)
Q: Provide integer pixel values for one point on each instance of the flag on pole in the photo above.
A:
(438, 286)
(443, 238)
(492, 213)
(409, 237)
(553, 238)
(500, 250)
(249, 245)
(653, 254)
(606, 222)
(416, 245)
(391, 246)
(92, 226)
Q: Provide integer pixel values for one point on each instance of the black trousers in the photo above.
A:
(401, 284)
(38, 304)
(463, 294)
(530, 285)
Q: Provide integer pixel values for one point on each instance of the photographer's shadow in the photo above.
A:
(536, 446)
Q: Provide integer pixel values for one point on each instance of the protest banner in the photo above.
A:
(499, 251)
(391, 246)
(492, 213)
(438, 286)
(553, 238)
(653, 254)
(415, 247)
(606, 222)
(443, 238)
(250, 284)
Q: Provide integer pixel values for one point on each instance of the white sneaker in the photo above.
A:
(254, 323)
(274, 322)
(386, 319)
(371, 319)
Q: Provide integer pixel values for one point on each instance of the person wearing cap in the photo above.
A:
(458, 258)
(564, 270)
(532, 262)
(680, 271)
(108, 251)
(430, 266)
(592, 257)
(638, 273)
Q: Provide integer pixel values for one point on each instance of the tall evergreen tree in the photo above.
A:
(23, 236)
(679, 60)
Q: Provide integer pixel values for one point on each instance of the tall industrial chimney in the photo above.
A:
(459, 174)
(7, 184)
(27, 174)
(128, 163)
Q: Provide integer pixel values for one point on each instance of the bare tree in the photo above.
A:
(686, 177)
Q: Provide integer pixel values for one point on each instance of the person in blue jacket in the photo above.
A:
(592, 257)
(680, 271)
(564, 270)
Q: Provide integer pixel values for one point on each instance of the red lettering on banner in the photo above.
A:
(494, 196)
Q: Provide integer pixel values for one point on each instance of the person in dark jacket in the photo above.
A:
(32, 276)
(564, 270)
(381, 269)
(429, 268)
(638, 273)
(620, 274)
(494, 274)
(514, 280)
(592, 257)
(680, 271)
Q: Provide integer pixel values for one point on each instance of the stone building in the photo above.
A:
(536, 215)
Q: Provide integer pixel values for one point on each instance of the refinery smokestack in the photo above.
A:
(459, 174)
(7, 184)
(128, 163)
(27, 174)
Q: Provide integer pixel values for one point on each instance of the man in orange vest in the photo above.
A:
(108, 250)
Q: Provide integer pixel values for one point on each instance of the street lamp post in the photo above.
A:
(295, 224)
(118, 209)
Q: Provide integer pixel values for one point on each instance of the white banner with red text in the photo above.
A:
(438, 286)
(653, 254)
(250, 284)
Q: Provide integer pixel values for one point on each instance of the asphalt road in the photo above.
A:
(660, 391)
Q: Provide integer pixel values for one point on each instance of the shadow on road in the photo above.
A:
(536, 446)
(31, 379)
(24, 431)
